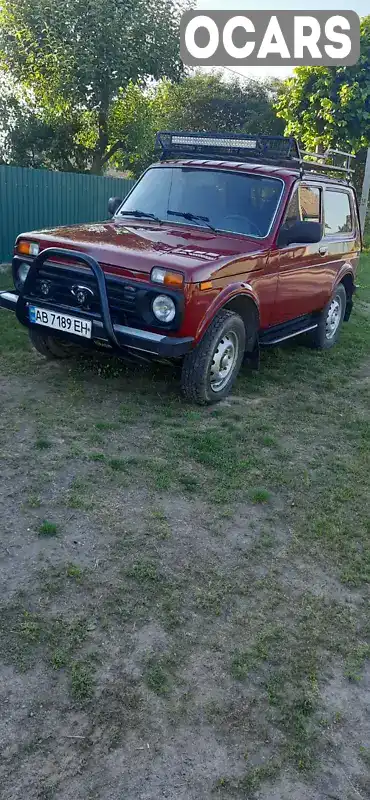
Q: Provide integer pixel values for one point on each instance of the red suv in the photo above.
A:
(229, 243)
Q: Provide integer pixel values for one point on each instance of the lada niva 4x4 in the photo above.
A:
(228, 244)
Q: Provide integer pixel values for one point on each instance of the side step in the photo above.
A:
(280, 333)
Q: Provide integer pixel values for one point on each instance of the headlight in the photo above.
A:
(27, 248)
(22, 272)
(164, 308)
(167, 278)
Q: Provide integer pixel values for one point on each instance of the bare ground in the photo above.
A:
(184, 592)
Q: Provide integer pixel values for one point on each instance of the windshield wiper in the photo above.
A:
(192, 217)
(138, 213)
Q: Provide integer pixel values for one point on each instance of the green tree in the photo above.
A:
(132, 122)
(208, 102)
(31, 137)
(77, 57)
(330, 106)
(200, 102)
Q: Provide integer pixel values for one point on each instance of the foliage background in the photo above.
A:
(86, 85)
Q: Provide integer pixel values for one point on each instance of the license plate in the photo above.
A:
(60, 322)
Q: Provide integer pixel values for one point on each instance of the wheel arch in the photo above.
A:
(348, 282)
(244, 305)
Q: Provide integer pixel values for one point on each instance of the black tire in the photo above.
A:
(50, 346)
(322, 338)
(197, 382)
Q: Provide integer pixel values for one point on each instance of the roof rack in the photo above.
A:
(282, 151)
(326, 162)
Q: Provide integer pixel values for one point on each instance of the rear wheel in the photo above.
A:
(209, 371)
(330, 322)
(50, 346)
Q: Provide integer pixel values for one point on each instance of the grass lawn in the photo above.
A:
(184, 591)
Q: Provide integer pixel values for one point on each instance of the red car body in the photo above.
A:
(284, 286)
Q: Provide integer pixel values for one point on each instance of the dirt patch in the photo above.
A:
(184, 591)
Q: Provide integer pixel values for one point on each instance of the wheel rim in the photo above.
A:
(334, 317)
(223, 361)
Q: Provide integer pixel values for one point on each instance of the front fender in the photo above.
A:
(229, 293)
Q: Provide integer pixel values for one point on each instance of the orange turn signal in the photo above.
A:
(27, 248)
(205, 285)
(173, 279)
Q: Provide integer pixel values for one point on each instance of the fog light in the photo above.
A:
(164, 308)
(22, 272)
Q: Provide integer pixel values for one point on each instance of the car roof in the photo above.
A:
(287, 174)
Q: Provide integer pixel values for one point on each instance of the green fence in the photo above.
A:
(38, 198)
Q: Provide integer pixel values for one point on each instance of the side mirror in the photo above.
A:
(113, 204)
(300, 233)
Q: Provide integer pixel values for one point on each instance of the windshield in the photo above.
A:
(228, 201)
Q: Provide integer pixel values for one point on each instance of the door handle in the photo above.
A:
(323, 250)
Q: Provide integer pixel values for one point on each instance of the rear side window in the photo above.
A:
(337, 212)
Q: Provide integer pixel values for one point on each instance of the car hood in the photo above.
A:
(137, 246)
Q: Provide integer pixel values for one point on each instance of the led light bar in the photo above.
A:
(237, 146)
(209, 141)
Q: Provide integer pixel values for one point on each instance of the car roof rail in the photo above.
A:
(278, 151)
(327, 162)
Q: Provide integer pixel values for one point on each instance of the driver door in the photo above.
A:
(303, 277)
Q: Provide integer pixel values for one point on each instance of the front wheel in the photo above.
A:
(330, 322)
(209, 371)
(50, 346)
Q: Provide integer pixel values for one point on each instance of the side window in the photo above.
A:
(292, 214)
(304, 206)
(309, 202)
(337, 212)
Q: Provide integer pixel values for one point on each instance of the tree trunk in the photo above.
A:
(96, 166)
(103, 152)
(102, 143)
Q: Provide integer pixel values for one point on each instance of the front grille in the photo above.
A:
(122, 295)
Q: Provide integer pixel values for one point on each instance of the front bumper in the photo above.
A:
(119, 337)
(133, 338)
